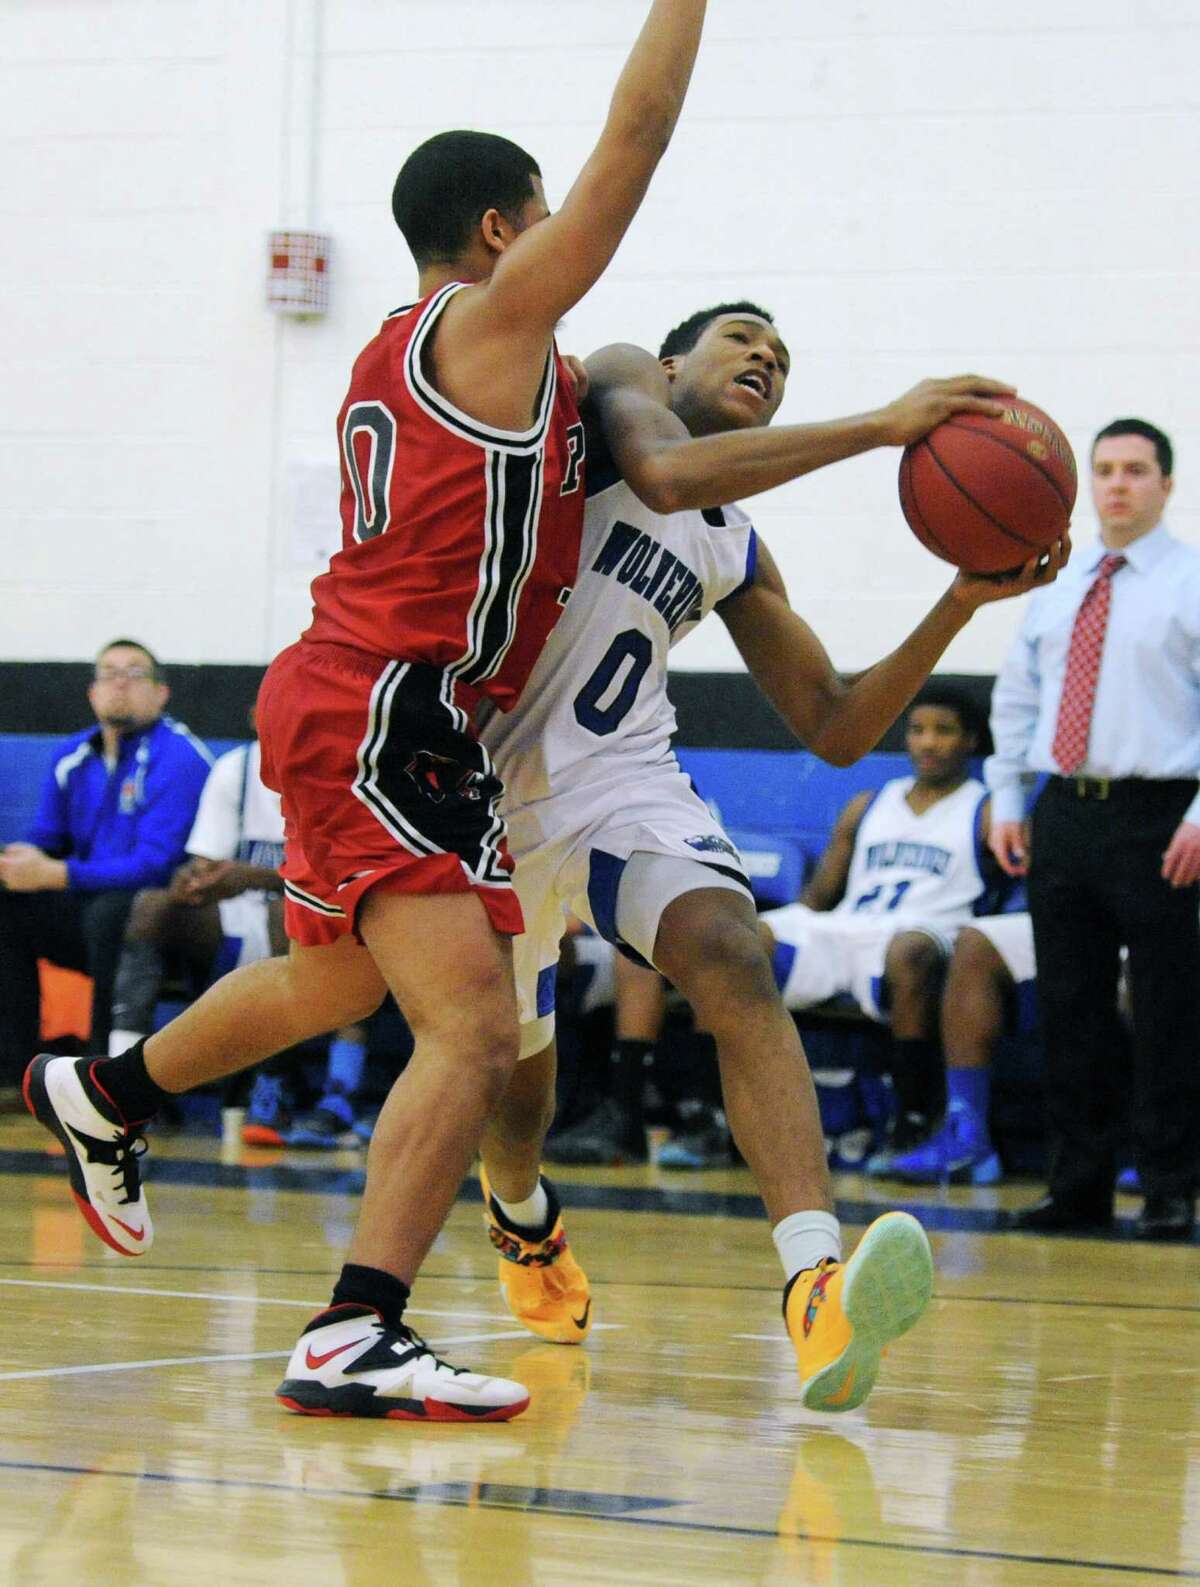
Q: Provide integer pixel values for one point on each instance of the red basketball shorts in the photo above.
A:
(383, 785)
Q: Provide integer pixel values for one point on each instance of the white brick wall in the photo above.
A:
(912, 189)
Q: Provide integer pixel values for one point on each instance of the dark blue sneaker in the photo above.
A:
(329, 1127)
(958, 1153)
(269, 1112)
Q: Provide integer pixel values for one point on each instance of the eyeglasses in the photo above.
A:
(129, 674)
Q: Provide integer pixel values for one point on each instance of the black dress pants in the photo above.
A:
(79, 931)
(1095, 886)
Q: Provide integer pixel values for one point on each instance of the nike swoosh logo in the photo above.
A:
(312, 1362)
(581, 1322)
(134, 1234)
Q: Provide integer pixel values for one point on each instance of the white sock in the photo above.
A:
(120, 1041)
(805, 1238)
(530, 1213)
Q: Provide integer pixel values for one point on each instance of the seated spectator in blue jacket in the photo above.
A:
(115, 813)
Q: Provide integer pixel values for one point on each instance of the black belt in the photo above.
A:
(1122, 787)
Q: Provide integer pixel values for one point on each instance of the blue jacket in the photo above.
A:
(128, 827)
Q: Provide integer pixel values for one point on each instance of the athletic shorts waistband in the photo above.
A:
(352, 662)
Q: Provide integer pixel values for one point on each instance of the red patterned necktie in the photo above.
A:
(1083, 670)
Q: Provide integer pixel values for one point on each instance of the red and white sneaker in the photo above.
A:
(102, 1149)
(347, 1362)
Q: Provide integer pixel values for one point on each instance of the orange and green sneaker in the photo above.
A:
(545, 1287)
(841, 1315)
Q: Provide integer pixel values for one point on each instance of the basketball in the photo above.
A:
(987, 494)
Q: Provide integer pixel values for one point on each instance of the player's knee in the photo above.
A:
(975, 959)
(724, 967)
(914, 962)
(145, 914)
(476, 1026)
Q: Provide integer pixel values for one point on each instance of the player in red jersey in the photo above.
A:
(462, 509)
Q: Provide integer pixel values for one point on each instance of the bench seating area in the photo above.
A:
(779, 807)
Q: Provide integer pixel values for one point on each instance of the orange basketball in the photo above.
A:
(987, 494)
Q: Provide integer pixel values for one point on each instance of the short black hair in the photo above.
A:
(1150, 432)
(134, 644)
(685, 336)
(970, 715)
(448, 184)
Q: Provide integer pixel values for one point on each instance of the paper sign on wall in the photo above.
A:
(315, 527)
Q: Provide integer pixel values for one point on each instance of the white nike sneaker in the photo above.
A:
(347, 1362)
(102, 1149)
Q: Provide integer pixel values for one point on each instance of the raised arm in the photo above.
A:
(670, 470)
(828, 883)
(550, 266)
(841, 718)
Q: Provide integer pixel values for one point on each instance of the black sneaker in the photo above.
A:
(102, 1149)
(701, 1141)
(607, 1138)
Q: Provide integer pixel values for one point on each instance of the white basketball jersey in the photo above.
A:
(924, 866)
(238, 817)
(595, 713)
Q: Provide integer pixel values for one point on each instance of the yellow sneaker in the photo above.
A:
(545, 1287)
(841, 1315)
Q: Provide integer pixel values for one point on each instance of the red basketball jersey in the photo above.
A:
(460, 542)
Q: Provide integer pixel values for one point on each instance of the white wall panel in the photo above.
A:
(911, 189)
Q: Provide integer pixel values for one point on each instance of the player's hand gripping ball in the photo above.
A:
(987, 494)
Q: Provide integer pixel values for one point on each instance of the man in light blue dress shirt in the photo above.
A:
(1101, 695)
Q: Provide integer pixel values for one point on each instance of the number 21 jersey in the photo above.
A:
(927, 865)
(460, 542)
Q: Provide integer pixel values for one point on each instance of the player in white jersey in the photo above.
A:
(906, 867)
(234, 851)
(238, 839)
(603, 821)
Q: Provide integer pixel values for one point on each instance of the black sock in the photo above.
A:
(371, 1286)
(919, 1075)
(131, 1088)
(629, 1062)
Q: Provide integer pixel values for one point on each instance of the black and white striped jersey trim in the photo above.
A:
(439, 408)
(307, 901)
(367, 783)
(484, 866)
(510, 530)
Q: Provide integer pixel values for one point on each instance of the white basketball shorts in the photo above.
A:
(1012, 938)
(618, 873)
(833, 954)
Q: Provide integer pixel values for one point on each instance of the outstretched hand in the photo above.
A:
(925, 407)
(974, 590)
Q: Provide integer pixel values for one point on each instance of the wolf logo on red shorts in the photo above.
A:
(438, 775)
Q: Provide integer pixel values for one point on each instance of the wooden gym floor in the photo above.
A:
(1041, 1426)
